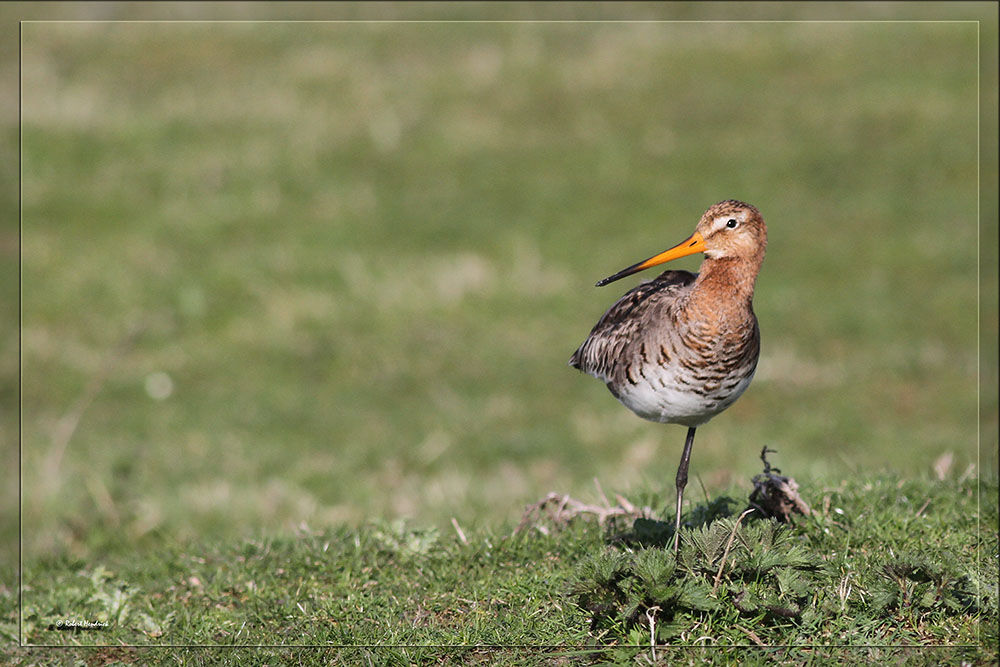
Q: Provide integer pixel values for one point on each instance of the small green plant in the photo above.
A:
(404, 541)
(759, 570)
(916, 583)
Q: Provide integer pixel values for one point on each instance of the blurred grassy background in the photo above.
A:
(321, 272)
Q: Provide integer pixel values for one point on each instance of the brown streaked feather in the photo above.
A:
(600, 353)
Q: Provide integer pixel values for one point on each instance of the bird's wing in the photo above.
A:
(605, 346)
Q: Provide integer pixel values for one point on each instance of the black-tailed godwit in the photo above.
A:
(682, 347)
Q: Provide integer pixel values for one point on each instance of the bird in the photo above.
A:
(682, 347)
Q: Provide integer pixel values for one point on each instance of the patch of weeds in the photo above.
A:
(899, 564)
(757, 570)
(90, 602)
(110, 597)
(398, 539)
(917, 583)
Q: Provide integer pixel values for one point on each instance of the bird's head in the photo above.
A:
(729, 229)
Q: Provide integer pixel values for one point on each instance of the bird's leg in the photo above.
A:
(682, 480)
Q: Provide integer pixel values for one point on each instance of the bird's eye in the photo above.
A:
(731, 223)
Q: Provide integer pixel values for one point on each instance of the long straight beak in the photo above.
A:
(691, 245)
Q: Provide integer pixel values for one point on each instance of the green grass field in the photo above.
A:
(896, 571)
(286, 284)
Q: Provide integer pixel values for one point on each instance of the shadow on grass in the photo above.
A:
(773, 496)
(649, 533)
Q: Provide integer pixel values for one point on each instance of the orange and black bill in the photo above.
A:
(695, 243)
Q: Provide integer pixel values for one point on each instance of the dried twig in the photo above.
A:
(623, 501)
(67, 424)
(923, 507)
(600, 492)
(969, 472)
(708, 499)
(752, 635)
(458, 529)
(725, 553)
(651, 617)
(561, 509)
(767, 465)
(942, 465)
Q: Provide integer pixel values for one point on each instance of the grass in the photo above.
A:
(284, 285)
(885, 564)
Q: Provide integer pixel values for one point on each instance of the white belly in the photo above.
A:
(662, 397)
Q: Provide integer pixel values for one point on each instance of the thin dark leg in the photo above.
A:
(682, 480)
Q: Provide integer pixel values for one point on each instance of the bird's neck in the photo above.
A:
(727, 280)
